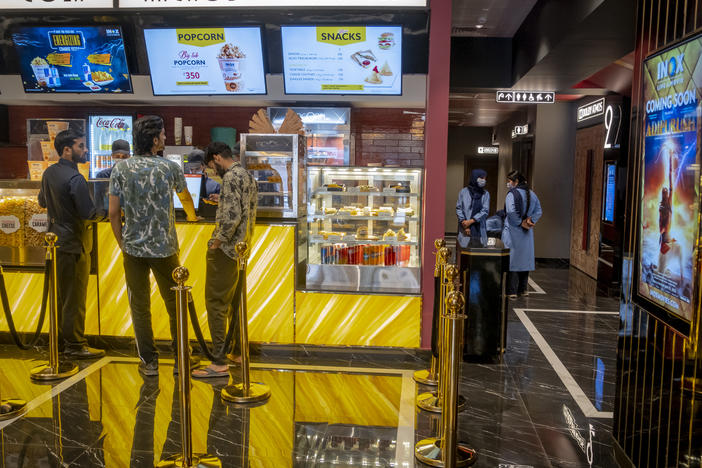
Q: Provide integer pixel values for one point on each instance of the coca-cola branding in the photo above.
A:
(39, 222)
(9, 224)
(117, 123)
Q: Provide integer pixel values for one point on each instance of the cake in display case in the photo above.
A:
(277, 162)
(364, 226)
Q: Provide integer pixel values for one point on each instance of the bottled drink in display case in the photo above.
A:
(103, 130)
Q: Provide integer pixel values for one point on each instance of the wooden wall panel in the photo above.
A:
(591, 140)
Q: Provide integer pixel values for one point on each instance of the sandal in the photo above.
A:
(209, 373)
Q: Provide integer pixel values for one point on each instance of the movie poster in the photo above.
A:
(669, 204)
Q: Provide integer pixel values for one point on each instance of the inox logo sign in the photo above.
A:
(671, 67)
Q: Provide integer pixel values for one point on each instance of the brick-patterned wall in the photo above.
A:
(388, 136)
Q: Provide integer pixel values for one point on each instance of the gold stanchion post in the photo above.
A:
(11, 408)
(54, 369)
(245, 391)
(431, 376)
(446, 451)
(432, 401)
(186, 459)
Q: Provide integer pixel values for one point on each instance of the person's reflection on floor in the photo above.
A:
(225, 438)
(74, 427)
(143, 440)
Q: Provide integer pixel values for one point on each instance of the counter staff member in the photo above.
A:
(236, 217)
(145, 183)
(120, 150)
(66, 196)
(197, 156)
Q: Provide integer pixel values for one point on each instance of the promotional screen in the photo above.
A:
(669, 202)
(206, 61)
(342, 59)
(194, 183)
(609, 192)
(72, 59)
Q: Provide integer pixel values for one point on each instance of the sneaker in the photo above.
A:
(149, 369)
(525, 294)
(194, 364)
(84, 352)
(512, 296)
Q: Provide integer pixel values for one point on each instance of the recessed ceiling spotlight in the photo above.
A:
(479, 26)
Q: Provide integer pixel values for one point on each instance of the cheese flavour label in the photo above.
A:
(9, 224)
(39, 222)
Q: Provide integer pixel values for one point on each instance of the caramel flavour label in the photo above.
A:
(39, 222)
(201, 37)
(9, 224)
(341, 35)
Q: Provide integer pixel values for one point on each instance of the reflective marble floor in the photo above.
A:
(550, 398)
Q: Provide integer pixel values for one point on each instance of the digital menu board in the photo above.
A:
(342, 59)
(72, 59)
(669, 199)
(206, 61)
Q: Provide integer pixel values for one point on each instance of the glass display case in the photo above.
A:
(328, 131)
(277, 162)
(23, 222)
(364, 227)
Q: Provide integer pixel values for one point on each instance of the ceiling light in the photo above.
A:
(479, 26)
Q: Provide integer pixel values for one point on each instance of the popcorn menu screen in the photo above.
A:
(342, 59)
(206, 61)
(72, 59)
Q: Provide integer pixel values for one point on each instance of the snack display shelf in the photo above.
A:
(359, 193)
(393, 218)
(363, 255)
(272, 154)
(361, 241)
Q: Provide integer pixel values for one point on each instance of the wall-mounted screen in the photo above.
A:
(194, 183)
(342, 59)
(669, 198)
(610, 194)
(72, 59)
(206, 61)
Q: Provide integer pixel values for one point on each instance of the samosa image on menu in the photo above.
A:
(374, 77)
(385, 70)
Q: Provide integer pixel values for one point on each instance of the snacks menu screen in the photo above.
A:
(72, 59)
(342, 59)
(206, 61)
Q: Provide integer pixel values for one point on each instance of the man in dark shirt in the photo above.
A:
(66, 196)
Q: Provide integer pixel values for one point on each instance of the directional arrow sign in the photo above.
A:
(525, 96)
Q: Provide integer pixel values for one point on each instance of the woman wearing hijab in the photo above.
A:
(472, 209)
(523, 212)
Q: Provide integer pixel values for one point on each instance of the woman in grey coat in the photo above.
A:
(523, 212)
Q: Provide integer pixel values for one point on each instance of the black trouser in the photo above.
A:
(136, 270)
(72, 283)
(517, 282)
(221, 299)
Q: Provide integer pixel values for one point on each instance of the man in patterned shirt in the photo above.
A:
(144, 184)
(236, 216)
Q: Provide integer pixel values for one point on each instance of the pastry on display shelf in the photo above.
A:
(386, 211)
(399, 188)
(368, 188)
(274, 178)
(402, 235)
(390, 235)
(408, 211)
(330, 211)
(334, 187)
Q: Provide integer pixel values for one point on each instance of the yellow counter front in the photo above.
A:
(277, 313)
